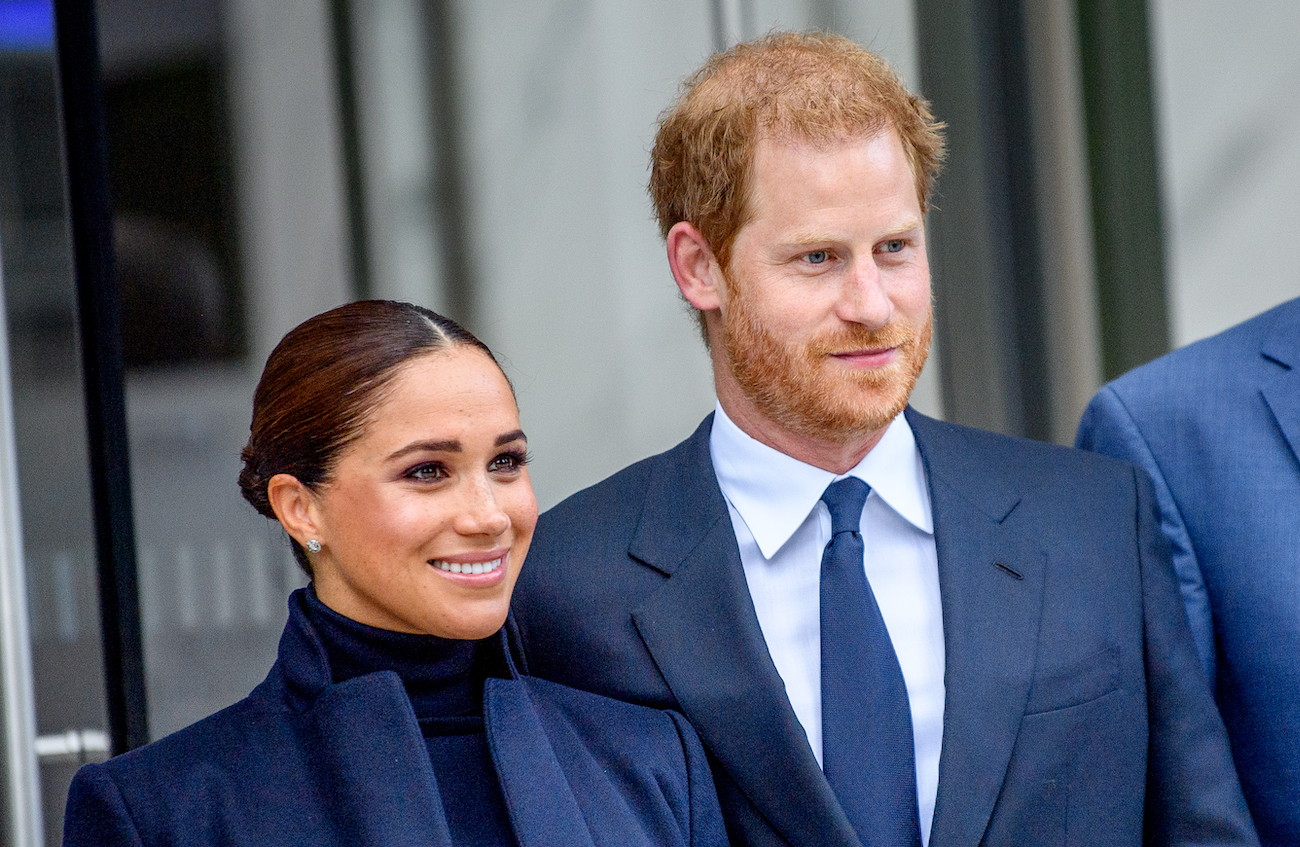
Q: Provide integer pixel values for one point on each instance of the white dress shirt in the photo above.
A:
(782, 527)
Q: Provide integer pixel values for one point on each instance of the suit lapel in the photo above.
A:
(991, 579)
(702, 631)
(1281, 389)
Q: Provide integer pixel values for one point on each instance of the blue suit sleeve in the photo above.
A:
(707, 828)
(1193, 794)
(1107, 427)
(96, 814)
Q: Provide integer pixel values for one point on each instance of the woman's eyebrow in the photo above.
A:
(514, 435)
(450, 446)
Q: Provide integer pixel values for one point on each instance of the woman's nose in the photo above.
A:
(480, 513)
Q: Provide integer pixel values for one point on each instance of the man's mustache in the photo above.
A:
(855, 338)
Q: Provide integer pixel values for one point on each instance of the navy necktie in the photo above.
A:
(867, 752)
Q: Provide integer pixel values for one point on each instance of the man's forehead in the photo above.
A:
(778, 152)
(769, 140)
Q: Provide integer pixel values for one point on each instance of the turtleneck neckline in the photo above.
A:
(443, 677)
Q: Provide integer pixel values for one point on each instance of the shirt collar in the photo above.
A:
(774, 493)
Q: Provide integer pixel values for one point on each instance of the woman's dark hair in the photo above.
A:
(322, 381)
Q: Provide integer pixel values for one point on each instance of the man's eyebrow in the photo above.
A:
(802, 237)
(906, 226)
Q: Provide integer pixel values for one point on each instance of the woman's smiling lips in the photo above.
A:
(486, 568)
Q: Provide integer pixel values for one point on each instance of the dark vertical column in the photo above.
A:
(1122, 159)
(733, 22)
(350, 131)
(1026, 301)
(98, 312)
(453, 199)
(984, 242)
(718, 15)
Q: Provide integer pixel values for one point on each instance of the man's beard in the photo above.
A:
(796, 388)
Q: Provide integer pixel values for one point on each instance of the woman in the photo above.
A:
(386, 440)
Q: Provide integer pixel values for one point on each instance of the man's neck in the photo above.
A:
(835, 456)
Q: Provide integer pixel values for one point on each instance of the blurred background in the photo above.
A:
(1124, 179)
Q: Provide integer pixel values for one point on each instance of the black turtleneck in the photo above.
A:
(444, 680)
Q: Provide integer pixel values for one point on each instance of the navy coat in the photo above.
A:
(304, 761)
(1217, 425)
(1075, 712)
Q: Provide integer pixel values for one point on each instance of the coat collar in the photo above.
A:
(303, 663)
(543, 809)
(1282, 341)
(1281, 389)
(393, 794)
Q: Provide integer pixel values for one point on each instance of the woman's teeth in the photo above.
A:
(476, 567)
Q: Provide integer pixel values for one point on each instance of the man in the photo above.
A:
(1217, 425)
(886, 629)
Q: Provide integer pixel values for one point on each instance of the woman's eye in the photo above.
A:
(509, 462)
(427, 471)
(893, 246)
(816, 257)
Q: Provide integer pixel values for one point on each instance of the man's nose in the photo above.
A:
(863, 299)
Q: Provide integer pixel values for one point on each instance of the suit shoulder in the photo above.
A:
(621, 489)
(617, 500)
(176, 775)
(1220, 360)
(983, 452)
(1066, 489)
(226, 731)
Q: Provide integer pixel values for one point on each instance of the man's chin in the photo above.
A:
(850, 412)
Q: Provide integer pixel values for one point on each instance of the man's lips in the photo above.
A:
(872, 357)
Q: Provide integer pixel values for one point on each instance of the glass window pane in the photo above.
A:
(213, 574)
(48, 411)
(1226, 77)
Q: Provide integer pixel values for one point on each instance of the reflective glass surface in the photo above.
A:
(48, 410)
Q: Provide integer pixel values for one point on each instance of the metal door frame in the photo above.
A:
(17, 689)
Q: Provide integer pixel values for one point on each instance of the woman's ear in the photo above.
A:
(694, 267)
(295, 506)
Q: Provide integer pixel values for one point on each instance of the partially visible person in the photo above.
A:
(386, 440)
(1217, 426)
(888, 630)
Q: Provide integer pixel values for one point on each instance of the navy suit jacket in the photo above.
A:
(1076, 712)
(305, 761)
(1217, 425)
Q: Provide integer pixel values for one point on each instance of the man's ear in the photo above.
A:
(694, 267)
(295, 506)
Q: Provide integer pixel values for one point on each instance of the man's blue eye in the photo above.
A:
(893, 246)
(816, 257)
